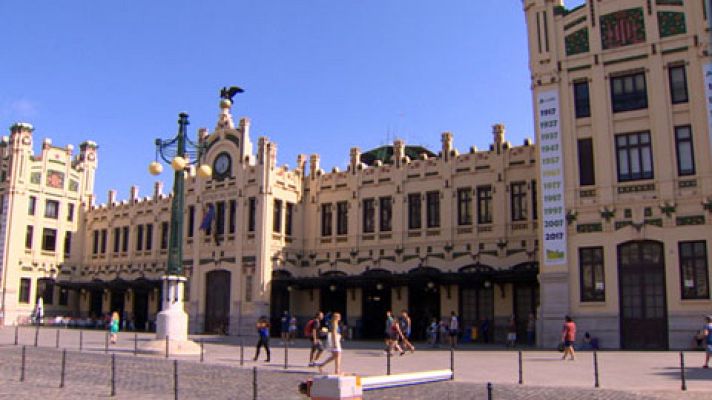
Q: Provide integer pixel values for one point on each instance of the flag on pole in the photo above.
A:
(208, 219)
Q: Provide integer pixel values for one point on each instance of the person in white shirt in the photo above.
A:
(453, 329)
(334, 345)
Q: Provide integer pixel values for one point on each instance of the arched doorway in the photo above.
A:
(643, 304)
(376, 299)
(217, 301)
(423, 306)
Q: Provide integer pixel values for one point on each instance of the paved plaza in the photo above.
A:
(622, 375)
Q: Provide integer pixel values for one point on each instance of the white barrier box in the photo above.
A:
(405, 379)
(336, 387)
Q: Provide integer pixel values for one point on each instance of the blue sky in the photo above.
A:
(320, 76)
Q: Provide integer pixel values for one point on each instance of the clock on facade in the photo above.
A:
(221, 166)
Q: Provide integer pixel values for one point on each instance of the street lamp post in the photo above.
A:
(172, 321)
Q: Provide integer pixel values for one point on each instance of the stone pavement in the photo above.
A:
(623, 375)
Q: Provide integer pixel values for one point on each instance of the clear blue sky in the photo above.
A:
(320, 76)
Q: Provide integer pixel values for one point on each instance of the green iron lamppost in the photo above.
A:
(181, 153)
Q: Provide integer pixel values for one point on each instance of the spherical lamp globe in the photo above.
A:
(205, 171)
(179, 163)
(155, 168)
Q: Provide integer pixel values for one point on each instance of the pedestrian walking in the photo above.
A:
(313, 331)
(262, 327)
(568, 337)
(512, 331)
(334, 345)
(292, 329)
(405, 328)
(434, 332)
(114, 327)
(707, 332)
(453, 329)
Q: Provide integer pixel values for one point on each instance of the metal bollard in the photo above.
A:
(37, 334)
(81, 339)
(167, 346)
(22, 367)
(682, 371)
(64, 364)
(113, 374)
(489, 390)
(135, 343)
(242, 353)
(286, 354)
(521, 377)
(106, 343)
(452, 363)
(388, 362)
(175, 379)
(56, 344)
(202, 350)
(595, 369)
(254, 383)
(17, 328)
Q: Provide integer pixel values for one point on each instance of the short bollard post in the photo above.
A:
(135, 343)
(521, 376)
(682, 371)
(64, 364)
(489, 390)
(286, 354)
(106, 343)
(37, 334)
(242, 353)
(56, 344)
(254, 383)
(595, 369)
(175, 379)
(17, 329)
(452, 363)
(202, 351)
(388, 362)
(22, 367)
(166, 346)
(113, 374)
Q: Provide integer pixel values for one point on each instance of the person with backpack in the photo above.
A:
(313, 331)
(262, 327)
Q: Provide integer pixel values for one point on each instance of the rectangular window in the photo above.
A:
(385, 213)
(518, 198)
(464, 206)
(369, 215)
(693, 270)
(678, 84)
(95, 243)
(289, 218)
(67, 243)
(45, 289)
(587, 176)
(277, 217)
(139, 238)
(191, 221)
(326, 218)
(432, 217)
(484, 204)
(28, 236)
(634, 156)
(70, 212)
(63, 297)
(24, 290)
(684, 149)
(220, 217)
(414, 211)
(117, 239)
(51, 209)
(248, 288)
(31, 205)
(629, 92)
(149, 236)
(342, 218)
(252, 214)
(582, 103)
(104, 235)
(125, 243)
(535, 204)
(49, 239)
(232, 216)
(165, 230)
(591, 271)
